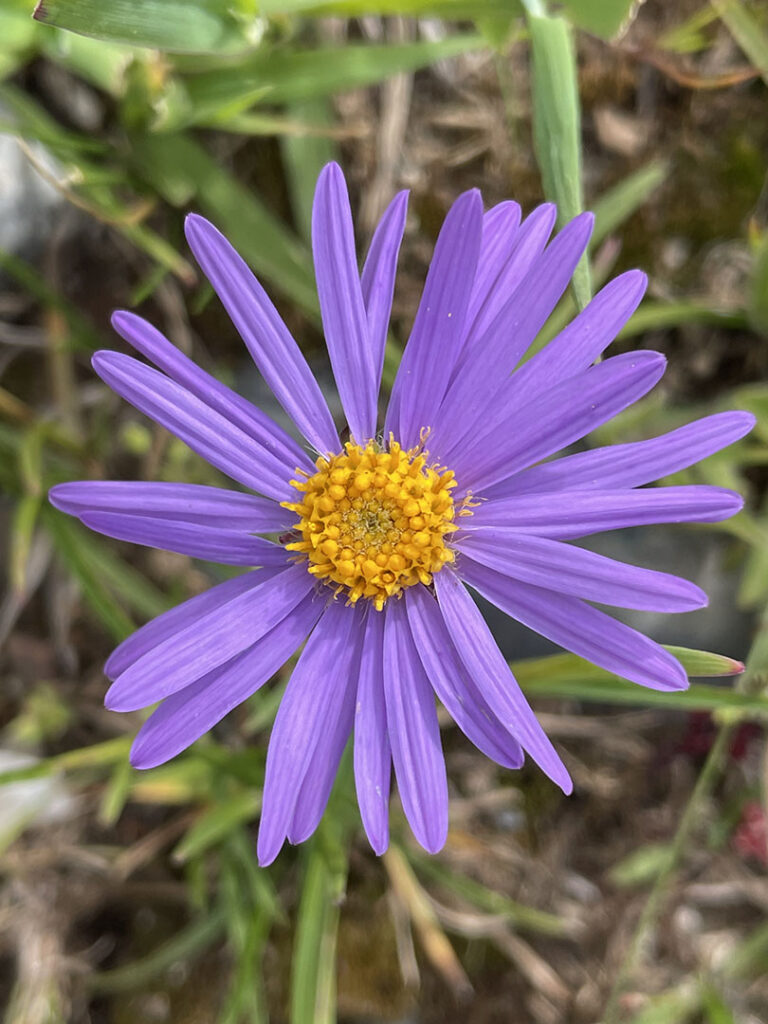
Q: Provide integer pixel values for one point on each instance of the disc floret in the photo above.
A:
(374, 520)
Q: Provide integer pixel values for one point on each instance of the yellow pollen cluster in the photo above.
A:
(374, 521)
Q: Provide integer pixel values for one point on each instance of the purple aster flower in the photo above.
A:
(380, 536)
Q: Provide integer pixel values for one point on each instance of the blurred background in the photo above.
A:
(129, 896)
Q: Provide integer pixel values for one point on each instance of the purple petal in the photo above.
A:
(508, 337)
(579, 628)
(414, 733)
(323, 766)
(209, 641)
(373, 757)
(176, 619)
(268, 339)
(188, 503)
(227, 547)
(151, 343)
(502, 269)
(313, 701)
(633, 464)
(553, 565)
(577, 346)
(187, 715)
(559, 417)
(378, 278)
(499, 238)
(486, 665)
(341, 303)
(438, 330)
(579, 513)
(206, 431)
(454, 687)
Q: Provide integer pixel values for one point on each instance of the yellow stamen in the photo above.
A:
(375, 520)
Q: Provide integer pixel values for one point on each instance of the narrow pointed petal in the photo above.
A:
(188, 503)
(225, 546)
(438, 330)
(579, 628)
(167, 625)
(502, 269)
(564, 414)
(553, 565)
(323, 766)
(499, 238)
(378, 278)
(155, 346)
(578, 345)
(209, 642)
(312, 701)
(414, 733)
(495, 354)
(341, 303)
(372, 754)
(206, 431)
(187, 715)
(267, 338)
(633, 464)
(453, 685)
(486, 665)
(580, 513)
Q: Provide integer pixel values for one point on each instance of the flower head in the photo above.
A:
(379, 537)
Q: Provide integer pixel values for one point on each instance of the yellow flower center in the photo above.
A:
(374, 521)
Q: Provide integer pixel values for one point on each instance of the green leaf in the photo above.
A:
(715, 1008)
(567, 676)
(747, 31)
(305, 156)
(469, 10)
(655, 316)
(97, 755)
(217, 823)
(758, 289)
(116, 793)
(313, 976)
(22, 116)
(102, 575)
(557, 126)
(18, 33)
(21, 534)
(101, 63)
(643, 865)
(676, 1006)
(181, 170)
(605, 18)
(618, 204)
(286, 76)
(189, 942)
(206, 26)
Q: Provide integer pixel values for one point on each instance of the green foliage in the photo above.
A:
(186, 83)
(207, 26)
(606, 18)
(557, 126)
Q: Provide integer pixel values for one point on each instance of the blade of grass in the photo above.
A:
(216, 823)
(289, 76)
(746, 30)
(181, 170)
(557, 124)
(313, 975)
(305, 156)
(206, 26)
